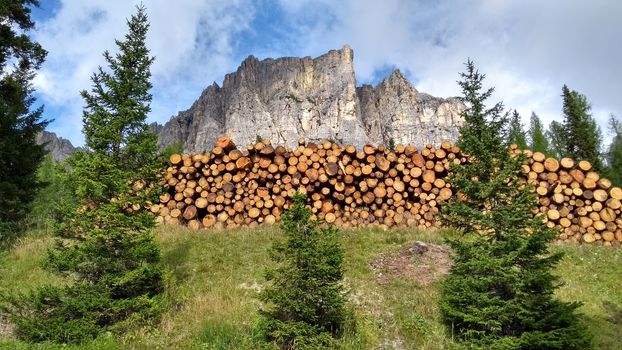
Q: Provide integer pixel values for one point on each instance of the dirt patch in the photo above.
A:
(6, 329)
(423, 263)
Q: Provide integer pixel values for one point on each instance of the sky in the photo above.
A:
(528, 49)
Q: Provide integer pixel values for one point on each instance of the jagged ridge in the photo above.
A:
(285, 99)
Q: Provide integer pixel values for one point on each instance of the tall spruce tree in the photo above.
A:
(499, 293)
(614, 152)
(557, 135)
(538, 141)
(20, 155)
(105, 245)
(582, 136)
(516, 133)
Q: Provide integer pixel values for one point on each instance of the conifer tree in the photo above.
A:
(516, 133)
(557, 135)
(20, 155)
(538, 141)
(105, 245)
(306, 301)
(499, 293)
(614, 152)
(582, 136)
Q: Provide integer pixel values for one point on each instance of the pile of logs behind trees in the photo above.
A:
(575, 199)
(229, 187)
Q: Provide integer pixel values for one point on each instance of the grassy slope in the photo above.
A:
(214, 275)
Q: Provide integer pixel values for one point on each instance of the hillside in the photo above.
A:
(393, 282)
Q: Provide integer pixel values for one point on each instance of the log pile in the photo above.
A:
(231, 187)
(575, 199)
(345, 186)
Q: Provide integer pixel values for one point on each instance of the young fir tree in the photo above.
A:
(557, 135)
(106, 247)
(614, 153)
(516, 134)
(499, 293)
(20, 155)
(582, 136)
(305, 297)
(538, 141)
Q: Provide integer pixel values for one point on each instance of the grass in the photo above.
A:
(213, 277)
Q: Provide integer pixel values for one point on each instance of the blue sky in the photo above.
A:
(528, 48)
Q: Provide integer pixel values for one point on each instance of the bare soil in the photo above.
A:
(422, 263)
(6, 329)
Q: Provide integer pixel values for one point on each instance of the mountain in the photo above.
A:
(58, 147)
(285, 99)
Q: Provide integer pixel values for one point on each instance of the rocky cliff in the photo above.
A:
(58, 147)
(289, 98)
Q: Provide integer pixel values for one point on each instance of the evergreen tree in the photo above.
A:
(614, 153)
(583, 138)
(557, 135)
(516, 133)
(57, 192)
(306, 299)
(499, 293)
(105, 246)
(20, 155)
(538, 141)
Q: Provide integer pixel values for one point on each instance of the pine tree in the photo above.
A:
(557, 135)
(516, 133)
(583, 138)
(305, 298)
(105, 246)
(20, 155)
(499, 293)
(614, 152)
(538, 141)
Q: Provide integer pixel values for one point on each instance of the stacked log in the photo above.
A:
(347, 187)
(374, 186)
(575, 199)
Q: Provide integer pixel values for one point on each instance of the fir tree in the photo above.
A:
(557, 135)
(105, 246)
(20, 155)
(500, 291)
(305, 298)
(614, 152)
(516, 133)
(582, 136)
(538, 141)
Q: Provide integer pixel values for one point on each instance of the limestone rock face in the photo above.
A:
(58, 147)
(285, 99)
(395, 110)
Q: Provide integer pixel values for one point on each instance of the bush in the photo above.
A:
(306, 299)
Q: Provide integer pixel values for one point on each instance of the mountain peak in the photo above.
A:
(288, 98)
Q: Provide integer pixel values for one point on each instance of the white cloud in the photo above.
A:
(191, 40)
(527, 48)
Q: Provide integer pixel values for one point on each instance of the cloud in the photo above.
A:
(528, 49)
(193, 42)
